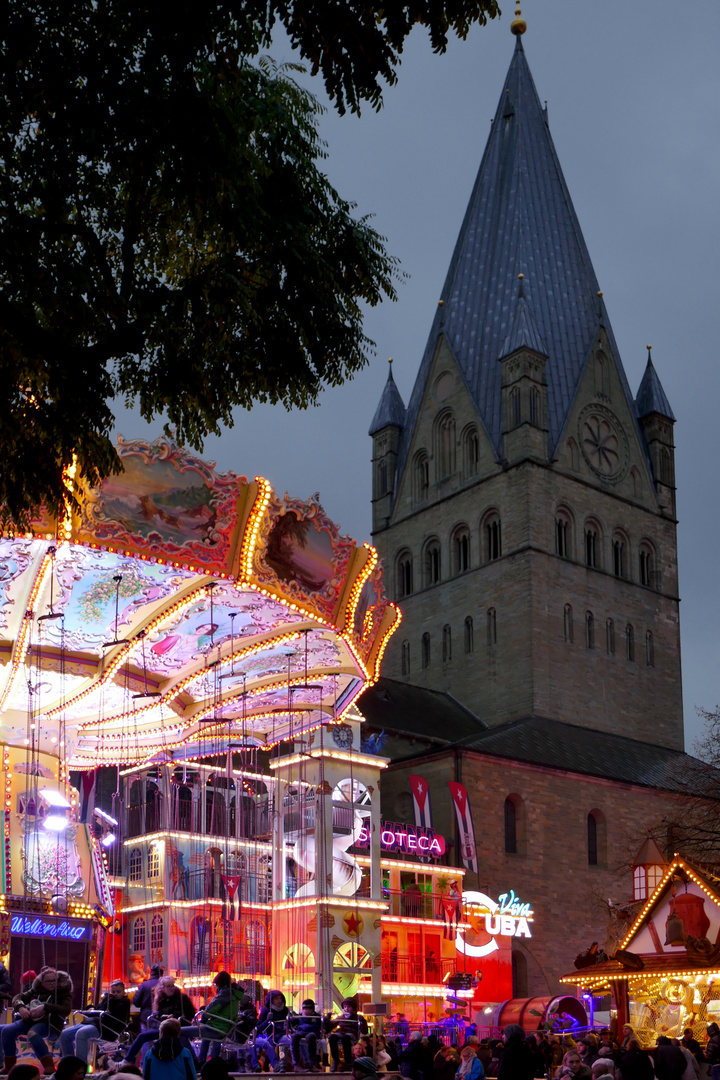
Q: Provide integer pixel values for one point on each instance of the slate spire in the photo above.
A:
(523, 331)
(520, 219)
(651, 397)
(391, 408)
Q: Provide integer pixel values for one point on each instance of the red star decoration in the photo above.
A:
(351, 924)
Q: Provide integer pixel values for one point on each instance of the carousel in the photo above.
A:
(206, 639)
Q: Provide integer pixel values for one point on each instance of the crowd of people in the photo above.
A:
(181, 1044)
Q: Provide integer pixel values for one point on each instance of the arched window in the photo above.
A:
(156, 933)
(602, 376)
(654, 877)
(461, 549)
(634, 482)
(138, 935)
(596, 838)
(568, 623)
(647, 565)
(446, 644)
(135, 865)
(610, 637)
(469, 635)
(574, 455)
(562, 536)
(515, 406)
(425, 651)
(510, 827)
(665, 467)
(649, 649)
(445, 445)
(515, 825)
(519, 974)
(534, 407)
(471, 452)
(421, 477)
(630, 642)
(592, 544)
(597, 841)
(589, 630)
(619, 548)
(492, 536)
(491, 619)
(431, 563)
(405, 655)
(153, 862)
(404, 575)
(639, 883)
(382, 478)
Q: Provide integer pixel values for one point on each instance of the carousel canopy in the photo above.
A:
(183, 608)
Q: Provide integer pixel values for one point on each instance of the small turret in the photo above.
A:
(524, 387)
(657, 420)
(385, 430)
(649, 866)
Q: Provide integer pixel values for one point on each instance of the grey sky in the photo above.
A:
(633, 93)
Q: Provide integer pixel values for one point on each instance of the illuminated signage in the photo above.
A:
(408, 839)
(508, 916)
(43, 928)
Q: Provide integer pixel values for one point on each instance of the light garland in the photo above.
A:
(252, 905)
(262, 501)
(23, 638)
(425, 868)
(164, 835)
(677, 863)
(358, 586)
(336, 755)
(337, 901)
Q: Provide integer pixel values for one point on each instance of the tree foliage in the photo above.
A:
(168, 236)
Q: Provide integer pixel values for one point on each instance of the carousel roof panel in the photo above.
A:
(183, 604)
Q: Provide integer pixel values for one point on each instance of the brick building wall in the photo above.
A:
(551, 869)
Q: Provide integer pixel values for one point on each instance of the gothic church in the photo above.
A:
(524, 507)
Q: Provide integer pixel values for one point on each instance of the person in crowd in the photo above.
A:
(169, 1001)
(568, 1043)
(143, 997)
(690, 1043)
(608, 1048)
(635, 1063)
(712, 1050)
(572, 1068)
(112, 1017)
(272, 1028)
(6, 992)
(516, 1062)
(588, 1053)
(402, 1027)
(539, 1066)
(363, 1068)
(668, 1060)
(412, 1058)
(347, 1028)
(383, 1058)
(24, 1072)
(169, 1059)
(692, 1069)
(603, 1069)
(308, 1026)
(71, 1068)
(445, 1064)
(42, 1010)
(27, 979)
(221, 1015)
(470, 1065)
(628, 1033)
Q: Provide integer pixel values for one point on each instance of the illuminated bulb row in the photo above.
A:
(23, 638)
(257, 513)
(427, 868)
(337, 755)
(358, 586)
(338, 901)
(384, 643)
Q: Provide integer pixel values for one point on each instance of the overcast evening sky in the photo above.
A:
(633, 92)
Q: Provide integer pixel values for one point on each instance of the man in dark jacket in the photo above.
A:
(669, 1060)
(42, 1009)
(271, 1028)
(107, 1022)
(221, 1015)
(516, 1062)
(306, 1026)
(143, 999)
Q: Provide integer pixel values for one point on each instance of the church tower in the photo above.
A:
(524, 503)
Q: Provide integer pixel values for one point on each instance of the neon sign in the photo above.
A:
(508, 916)
(42, 928)
(408, 839)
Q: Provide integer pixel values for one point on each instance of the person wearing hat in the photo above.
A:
(306, 1026)
(221, 1015)
(363, 1067)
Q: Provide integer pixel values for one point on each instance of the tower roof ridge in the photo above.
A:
(523, 331)
(391, 408)
(520, 217)
(650, 396)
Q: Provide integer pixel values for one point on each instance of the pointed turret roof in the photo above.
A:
(391, 408)
(651, 397)
(523, 333)
(520, 219)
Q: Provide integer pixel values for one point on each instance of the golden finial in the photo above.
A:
(649, 349)
(518, 25)
(441, 303)
(521, 277)
(599, 294)
(390, 360)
